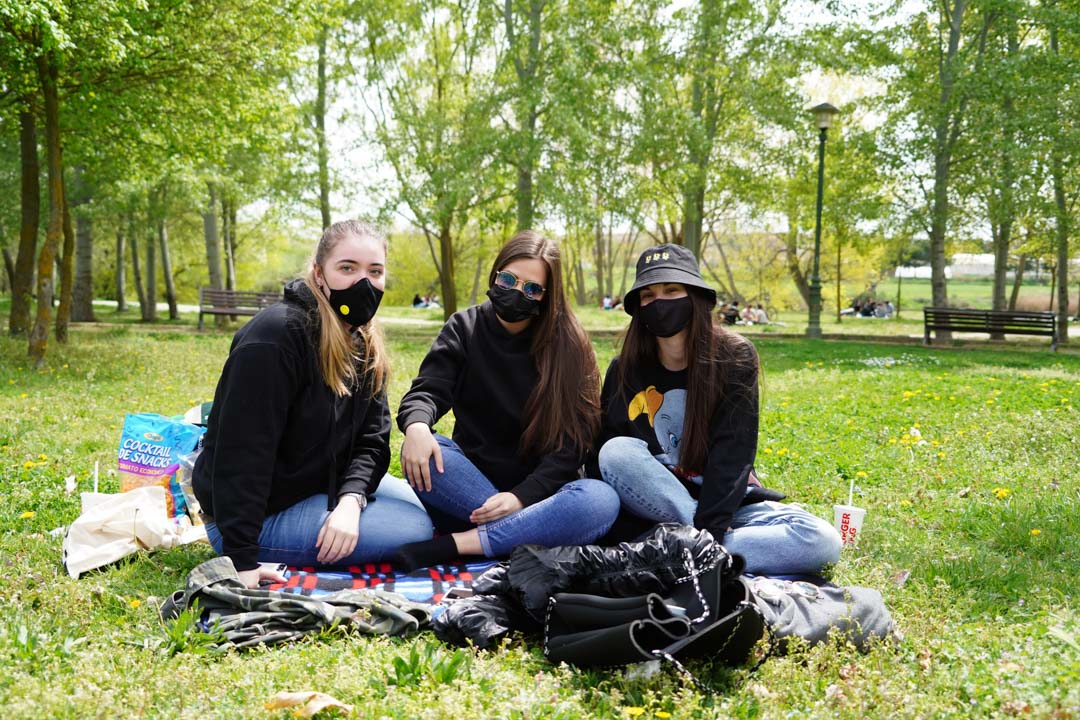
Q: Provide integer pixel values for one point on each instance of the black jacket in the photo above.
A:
(485, 375)
(277, 434)
(733, 430)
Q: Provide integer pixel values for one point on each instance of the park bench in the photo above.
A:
(1005, 322)
(213, 301)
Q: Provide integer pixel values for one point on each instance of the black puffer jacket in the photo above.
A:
(514, 595)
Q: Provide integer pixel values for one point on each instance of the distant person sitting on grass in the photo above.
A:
(298, 437)
(418, 302)
(760, 316)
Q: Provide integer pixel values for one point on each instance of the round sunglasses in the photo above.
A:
(508, 281)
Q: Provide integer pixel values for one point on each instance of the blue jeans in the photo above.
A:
(579, 513)
(396, 517)
(774, 538)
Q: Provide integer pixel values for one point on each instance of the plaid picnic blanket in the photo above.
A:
(426, 585)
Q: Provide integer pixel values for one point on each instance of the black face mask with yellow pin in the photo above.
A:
(357, 303)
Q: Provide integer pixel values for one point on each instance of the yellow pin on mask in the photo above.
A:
(362, 296)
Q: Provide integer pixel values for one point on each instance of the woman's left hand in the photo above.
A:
(338, 536)
(497, 506)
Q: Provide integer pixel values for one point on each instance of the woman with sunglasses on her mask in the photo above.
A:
(680, 425)
(298, 439)
(520, 375)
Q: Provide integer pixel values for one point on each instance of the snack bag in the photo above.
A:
(150, 450)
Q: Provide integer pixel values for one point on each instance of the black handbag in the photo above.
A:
(707, 615)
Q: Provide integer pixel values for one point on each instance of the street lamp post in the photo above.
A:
(823, 116)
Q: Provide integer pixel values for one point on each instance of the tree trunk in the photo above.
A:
(944, 141)
(448, 283)
(120, 280)
(67, 271)
(82, 301)
(150, 310)
(232, 241)
(477, 272)
(166, 270)
(1061, 225)
(1053, 282)
(1018, 279)
(598, 254)
(9, 268)
(791, 258)
(320, 132)
(527, 70)
(226, 241)
(30, 194)
(213, 246)
(136, 269)
(580, 293)
(693, 214)
(39, 335)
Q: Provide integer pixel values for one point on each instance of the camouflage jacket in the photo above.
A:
(243, 618)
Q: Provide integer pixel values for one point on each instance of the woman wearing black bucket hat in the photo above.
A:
(680, 424)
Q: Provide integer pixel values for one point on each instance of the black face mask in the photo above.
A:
(664, 318)
(357, 303)
(512, 305)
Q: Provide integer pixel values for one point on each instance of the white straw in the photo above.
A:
(95, 475)
(851, 492)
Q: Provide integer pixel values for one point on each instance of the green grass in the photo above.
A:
(989, 606)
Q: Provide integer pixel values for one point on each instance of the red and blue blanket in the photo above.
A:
(426, 585)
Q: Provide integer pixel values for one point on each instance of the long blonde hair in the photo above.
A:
(339, 350)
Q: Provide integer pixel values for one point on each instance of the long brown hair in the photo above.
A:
(714, 356)
(340, 350)
(565, 404)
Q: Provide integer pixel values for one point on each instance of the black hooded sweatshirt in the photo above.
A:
(277, 434)
(485, 375)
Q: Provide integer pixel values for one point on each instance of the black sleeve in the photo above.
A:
(733, 435)
(432, 392)
(554, 470)
(609, 425)
(371, 449)
(251, 407)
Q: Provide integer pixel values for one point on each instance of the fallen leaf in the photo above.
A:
(1010, 666)
(965, 492)
(849, 671)
(307, 703)
(1016, 707)
(900, 578)
(925, 659)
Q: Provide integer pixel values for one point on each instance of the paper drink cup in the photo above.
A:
(848, 521)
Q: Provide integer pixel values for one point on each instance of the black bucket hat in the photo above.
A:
(666, 264)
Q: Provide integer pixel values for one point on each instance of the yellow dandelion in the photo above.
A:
(1035, 531)
(65, 365)
(634, 711)
(1001, 493)
(134, 604)
(908, 393)
(892, 441)
(941, 454)
(861, 473)
(10, 382)
(42, 456)
(27, 515)
(662, 714)
(905, 503)
(782, 451)
(23, 396)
